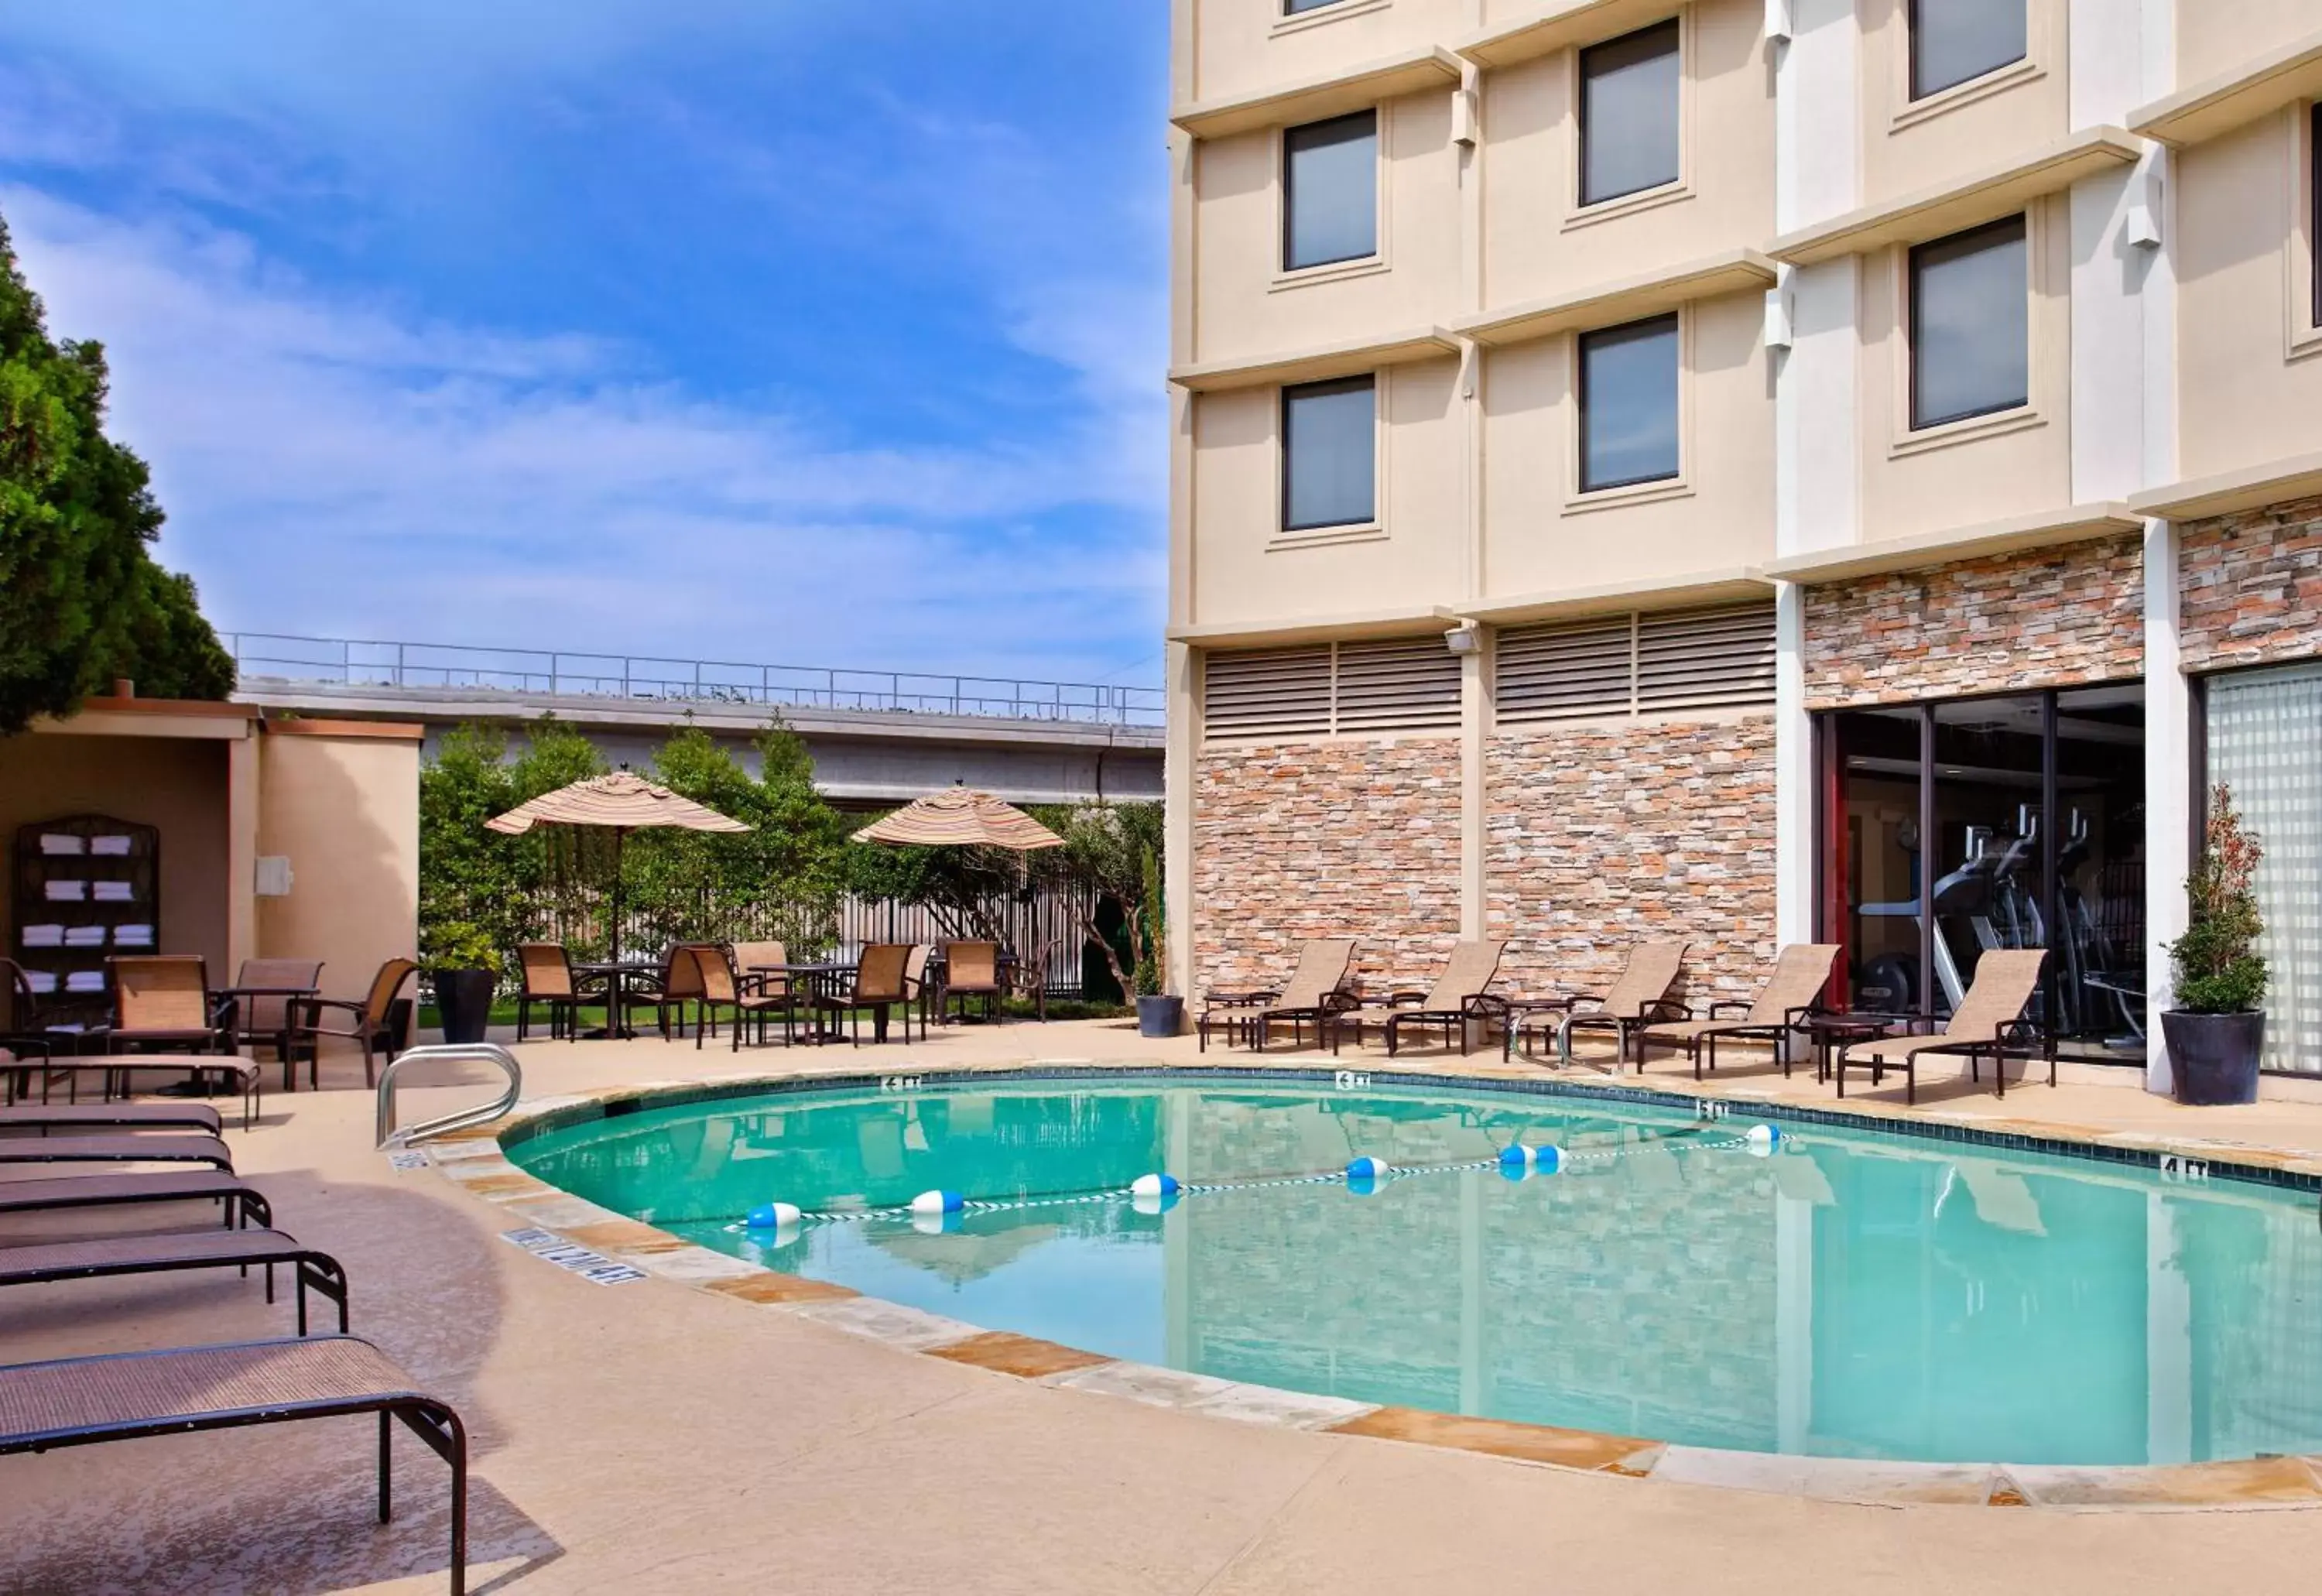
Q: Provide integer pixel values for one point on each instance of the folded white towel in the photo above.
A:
(65, 891)
(113, 891)
(44, 936)
(132, 937)
(115, 845)
(85, 981)
(41, 980)
(85, 936)
(56, 842)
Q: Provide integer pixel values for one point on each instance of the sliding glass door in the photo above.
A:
(2265, 742)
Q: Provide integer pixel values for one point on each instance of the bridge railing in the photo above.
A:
(262, 657)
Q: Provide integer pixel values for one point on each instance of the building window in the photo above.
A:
(1970, 324)
(1629, 113)
(1329, 454)
(1299, 7)
(1954, 41)
(1629, 404)
(2314, 205)
(1329, 191)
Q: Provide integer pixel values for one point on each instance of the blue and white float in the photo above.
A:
(1761, 1139)
(1154, 1193)
(1370, 1169)
(774, 1216)
(1519, 1161)
(937, 1203)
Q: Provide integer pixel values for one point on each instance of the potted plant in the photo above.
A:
(1158, 1013)
(2217, 1030)
(464, 967)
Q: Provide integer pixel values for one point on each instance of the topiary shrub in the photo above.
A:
(2219, 968)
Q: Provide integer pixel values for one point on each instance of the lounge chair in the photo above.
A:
(163, 999)
(918, 992)
(257, 1008)
(1320, 976)
(44, 1117)
(1460, 997)
(122, 1396)
(1320, 1000)
(242, 1202)
(1988, 1023)
(241, 1074)
(722, 989)
(972, 971)
(545, 971)
(679, 982)
(375, 1023)
(45, 1263)
(877, 986)
(1792, 990)
(1638, 999)
(122, 1149)
(758, 972)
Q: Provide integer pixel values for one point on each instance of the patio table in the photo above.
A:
(281, 1038)
(806, 978)
(616, 975)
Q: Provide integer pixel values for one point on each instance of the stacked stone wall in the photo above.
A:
(1603, 835)
(2052, 617)
(1297, 841)
(2251, 587)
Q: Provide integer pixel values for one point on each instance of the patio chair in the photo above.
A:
(877, 985)
(757, 975)
(378, 1022)
(163, 1000)
(39, 1263)
(256, 1018)
(1460, 997)
(545, 970)
(972, 971)
(1321, 972)
(123, 1396)
(241, 1076)
(917, 991)
(679, 982)
(21, 1031)
(1638, 999)
(240, 1202)
(721, 988)
(128, 1148)
(1987, 1023)
(1793, 989)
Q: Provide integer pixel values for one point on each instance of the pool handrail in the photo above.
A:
(487, 1053)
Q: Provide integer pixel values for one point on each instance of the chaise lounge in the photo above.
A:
(1988, 1023)
(1792, 990)
(1638, 1000)
(1460, 997)
(243, 1203)
(1315, 992)
(33, 1263)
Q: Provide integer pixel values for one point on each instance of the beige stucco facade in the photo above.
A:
(225, 788)
(2161, 157)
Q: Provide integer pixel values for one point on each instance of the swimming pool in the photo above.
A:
(1845, 1292)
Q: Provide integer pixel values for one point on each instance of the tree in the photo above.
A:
(1117, 848)
(81, 600)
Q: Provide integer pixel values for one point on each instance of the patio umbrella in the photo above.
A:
(621, 802)
(961, 815)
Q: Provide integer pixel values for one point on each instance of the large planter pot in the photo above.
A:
(463, 1000)
(1162, 1016)
(2213, 1057)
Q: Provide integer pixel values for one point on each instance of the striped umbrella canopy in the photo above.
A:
(622, 803)
(957, 815)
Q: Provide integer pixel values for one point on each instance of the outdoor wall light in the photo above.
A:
(1465, 638)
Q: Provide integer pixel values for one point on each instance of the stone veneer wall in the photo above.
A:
(2251, 587)
(2052, 617)
(1297, 841)
(1600, 835)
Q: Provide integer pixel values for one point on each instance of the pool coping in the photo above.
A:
(477, 1160)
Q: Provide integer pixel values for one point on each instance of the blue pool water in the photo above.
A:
(1847, 1294)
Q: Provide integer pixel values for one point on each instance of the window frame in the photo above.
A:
(1674, 26)
(1284, 532)
(1286, 203)
(2027, 222)
(1578, 213)
(2023, 65)
(1585, 494)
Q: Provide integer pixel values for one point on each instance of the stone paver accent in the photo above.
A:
(2251, 587)
(1304, 840)
(1600, 835)
(2052, 617)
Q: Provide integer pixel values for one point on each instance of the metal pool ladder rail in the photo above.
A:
(456, 1052)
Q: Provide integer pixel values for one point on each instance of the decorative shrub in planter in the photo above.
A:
(2217, 1029)
(464, 968)
(1158, 1013)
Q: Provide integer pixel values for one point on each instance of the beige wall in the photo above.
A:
(1907, 147)
(1537, 242)
(1244, 305)
(2216, 36)
(1985, 469)
(1244, 571)
(1242, 46)
(2249, 359)
(1537, 538)
(176, 784)
(344, 808)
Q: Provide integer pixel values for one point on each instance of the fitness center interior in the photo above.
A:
(1953, 827)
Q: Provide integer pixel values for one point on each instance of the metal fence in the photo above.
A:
(264, 657)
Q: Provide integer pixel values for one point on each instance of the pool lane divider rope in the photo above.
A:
(1156, 1193)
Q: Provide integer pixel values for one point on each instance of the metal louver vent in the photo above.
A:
(1283, 692)
(1703, 658)
(1561, 672)
(1401, 684)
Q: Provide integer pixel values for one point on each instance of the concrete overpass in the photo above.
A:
(878, 738)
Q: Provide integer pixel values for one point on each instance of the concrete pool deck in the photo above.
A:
(655, 1436)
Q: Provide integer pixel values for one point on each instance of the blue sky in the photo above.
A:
(786, 330)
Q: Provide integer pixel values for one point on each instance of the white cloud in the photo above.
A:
(340, 466)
